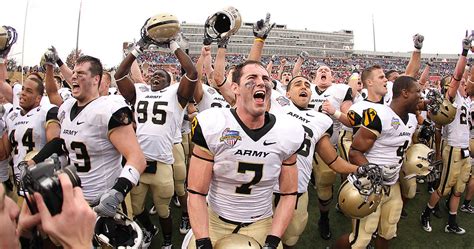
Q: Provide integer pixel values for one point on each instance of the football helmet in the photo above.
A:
(237, 241)
(8, 37)
(161, 28)
(440, 109)
(222, 24)
(117, 232)
(418, 161)
(360, 196)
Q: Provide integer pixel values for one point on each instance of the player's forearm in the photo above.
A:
(425, 75)
(197, 209)
(357, 157)
(135, 73)
(186, 64)
(297, 68)
(256, 50)
(283, 215)
(51, 87)
(124, 67)
(66, 72)
(342, 166)
(219, 67)
(457, 75)
(414, 64)
(5, 89)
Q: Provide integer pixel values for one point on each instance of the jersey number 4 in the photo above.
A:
(243, 168)
(158, 115)
(27, 141)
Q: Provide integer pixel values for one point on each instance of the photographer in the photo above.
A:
(72, 228)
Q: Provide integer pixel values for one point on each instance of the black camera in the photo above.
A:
(43, 178)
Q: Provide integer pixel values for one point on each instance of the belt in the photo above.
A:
(150, 167)
(238, 224)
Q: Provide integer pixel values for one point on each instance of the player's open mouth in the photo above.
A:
(303, 94)
(323, 77)
(75, 86)
(259, 97)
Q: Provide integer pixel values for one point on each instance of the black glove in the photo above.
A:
(204, 243)
(262, 28)
(271, 242)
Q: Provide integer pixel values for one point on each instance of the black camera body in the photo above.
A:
(43, 178)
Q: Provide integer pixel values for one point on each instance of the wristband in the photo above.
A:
(259, 39)
(186, 76)
(2, 61)
(135, 52)
(272, 240)
(59, 62)
(174, 46)
(337, 114)
(464, 52)
(204, 243)
(130, 173)
(417, 50)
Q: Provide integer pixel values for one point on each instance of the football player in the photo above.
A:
(318, 129)
(159, 112)
(335, 100)
(239, 155)
(29, 127)
(382, 139)
(5, 108)
(93, 131)
(455, 154)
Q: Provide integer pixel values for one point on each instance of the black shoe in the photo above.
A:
(404, 214)
(425, 223)
(454, 229)
(324, 229)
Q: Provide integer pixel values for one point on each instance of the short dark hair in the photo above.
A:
(96, 66)
(292, 80)
(237, 73)
(36, 75)
(58, 79)
(390, 72)
(401, 83)
(368, 72)
(39, 85)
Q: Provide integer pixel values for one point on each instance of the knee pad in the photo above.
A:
(165, 190)
(163, 210)
(179, 188)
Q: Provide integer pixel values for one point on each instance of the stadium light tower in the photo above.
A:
(78, 28)
(373, 32)
(24, 35)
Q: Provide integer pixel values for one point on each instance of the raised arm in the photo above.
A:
(261, 29)
(299, 62)
(189, 79)
(426, 72)
(460, 66)
(415, 60)
(51, 87)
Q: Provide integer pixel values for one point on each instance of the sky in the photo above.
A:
(105, 24)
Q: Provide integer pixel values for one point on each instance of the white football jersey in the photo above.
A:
(158, 116)
(86, 137)
(315, 125)
(211, 98)
(335, 94)
(65, 93)
(5, 109)
(27, 132)
(389, 95)
(393, 138)
(457, 132)
(471, 120)
(247, 163)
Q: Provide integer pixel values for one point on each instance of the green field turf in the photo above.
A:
(410, 234)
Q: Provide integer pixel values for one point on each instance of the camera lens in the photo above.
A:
(71, 172)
